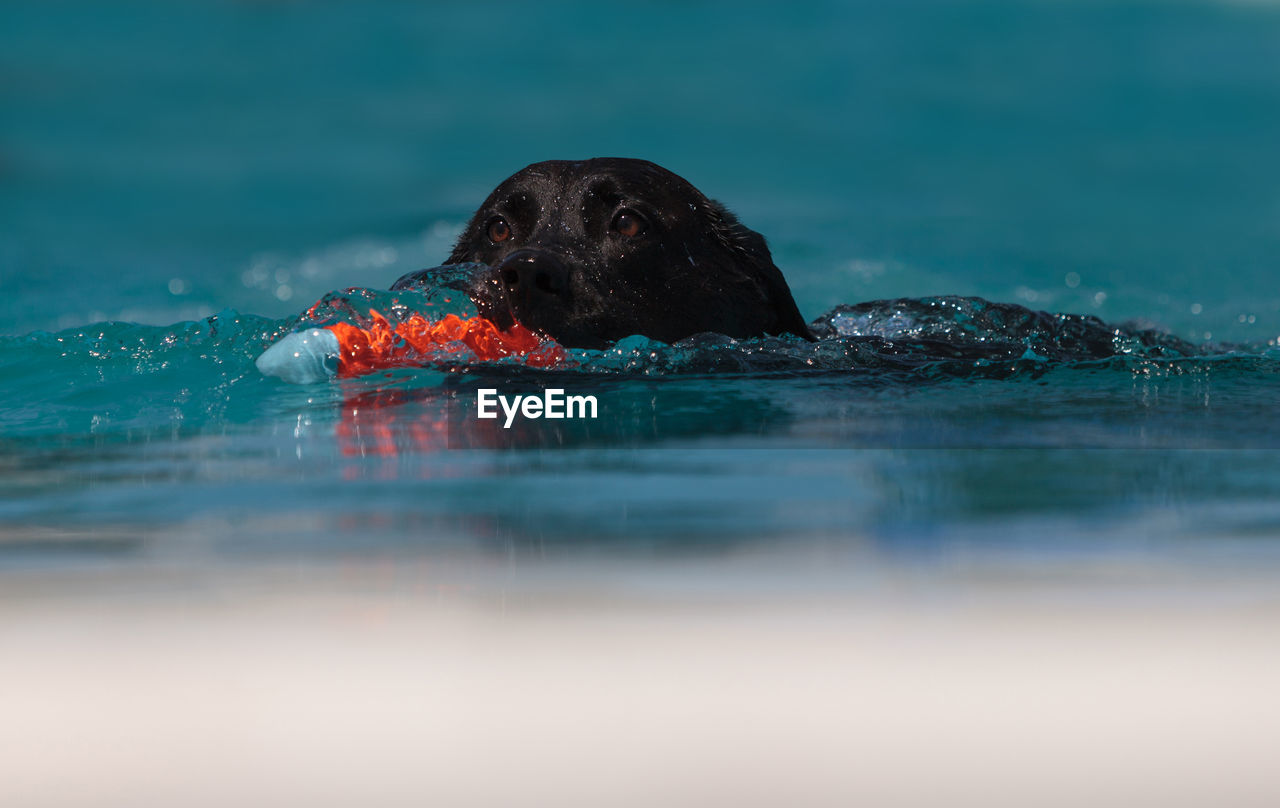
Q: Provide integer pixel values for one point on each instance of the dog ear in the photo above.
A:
(752, 250)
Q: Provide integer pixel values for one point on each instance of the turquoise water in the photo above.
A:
(179, 183)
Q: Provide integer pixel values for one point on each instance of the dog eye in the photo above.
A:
(628, 223)
(499, 230)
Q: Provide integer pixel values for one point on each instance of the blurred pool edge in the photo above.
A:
(389, 684)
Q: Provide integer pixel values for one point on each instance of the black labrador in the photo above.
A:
(591, 251)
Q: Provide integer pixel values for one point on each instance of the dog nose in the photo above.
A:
(531, 274)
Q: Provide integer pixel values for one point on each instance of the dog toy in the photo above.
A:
(342, 349)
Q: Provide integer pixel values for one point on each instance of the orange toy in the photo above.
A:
(381, 345)
(341, 349)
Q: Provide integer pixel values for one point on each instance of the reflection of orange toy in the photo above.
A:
(382, 345)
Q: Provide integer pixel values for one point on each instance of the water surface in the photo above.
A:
(179, 183)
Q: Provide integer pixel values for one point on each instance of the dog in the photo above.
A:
(591, 251)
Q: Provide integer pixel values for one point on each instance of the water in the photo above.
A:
(950, 537)
(180, 183)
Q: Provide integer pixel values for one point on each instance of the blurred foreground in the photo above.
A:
(451, 682)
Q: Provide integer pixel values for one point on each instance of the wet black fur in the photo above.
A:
(567, 271)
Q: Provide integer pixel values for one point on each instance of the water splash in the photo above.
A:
(959, 336)
(118, 376)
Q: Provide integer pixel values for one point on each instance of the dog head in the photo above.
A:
(592, 251)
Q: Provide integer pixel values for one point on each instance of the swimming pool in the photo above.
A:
(1035, 579)
(222, 166)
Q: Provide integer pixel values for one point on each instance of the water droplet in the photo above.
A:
(1072, 280)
